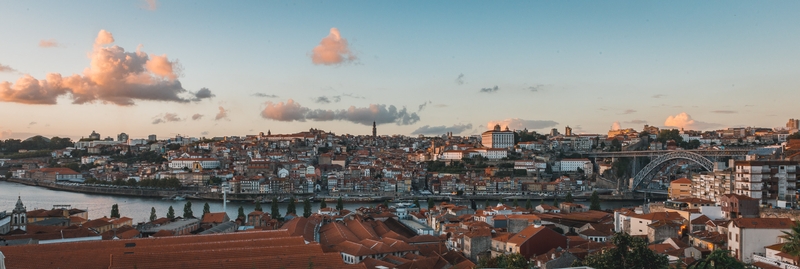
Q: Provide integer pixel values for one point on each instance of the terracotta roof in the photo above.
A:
(702, 219)
(682, 180)
(214, 217)
(763, 223)
(525, 234)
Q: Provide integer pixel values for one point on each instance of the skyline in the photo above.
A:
(413, 67)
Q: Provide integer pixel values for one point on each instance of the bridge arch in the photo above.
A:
(653, 166)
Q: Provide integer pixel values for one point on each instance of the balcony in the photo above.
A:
(759, 258)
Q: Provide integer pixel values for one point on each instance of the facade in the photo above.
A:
(680, 188)
(19, 216)
(205, 163)
(747, 236)
(572, 165)
(498, 138)
(739, 206)
(772, 182)
(712, 186)
(122, 137)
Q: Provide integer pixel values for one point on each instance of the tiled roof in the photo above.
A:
(763, 223)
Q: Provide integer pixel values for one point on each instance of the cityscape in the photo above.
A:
(399, 135)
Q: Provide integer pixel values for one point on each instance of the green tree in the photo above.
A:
(430, 203)
(291, 207)
(568, 198)
(323, 204)
(719, 258)
(515, 203)
(511, 261)
(258, 206)
(792, 245)
(171, 213)
(416, 202)
(241, 213)
(187, 210)
(629, 252)
(555, 201)
(115, 211)
(528, 204)
(206, 208)
(339, 203)
(153, 216)
(595, 201)
(307, 208)
(276, 213)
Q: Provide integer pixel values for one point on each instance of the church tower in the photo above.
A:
(19, 218)
(374, 130)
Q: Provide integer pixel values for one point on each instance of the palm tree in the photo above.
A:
(792, 246)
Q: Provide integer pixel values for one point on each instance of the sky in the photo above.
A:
(217, 68)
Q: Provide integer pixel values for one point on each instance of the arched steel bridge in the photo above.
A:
(651, 168)
(738, 152)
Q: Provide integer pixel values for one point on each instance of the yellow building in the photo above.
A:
(680, 188)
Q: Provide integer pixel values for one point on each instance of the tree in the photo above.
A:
(291, 207)
(187, 210)
(276, 213)
(528, 204)
(153, 216)
(568, 198)
(513, 261)
(792, 246)
(719, 258)
(630, 252)
(171, 213)
(323, 204)
(307, 208)
(258, 206)
(206, 208)
(430, 203)
(115, 211)
(339, 204)
(416, 202)
(515, 203)
(555, 201)
(241, 213)
(595, 201)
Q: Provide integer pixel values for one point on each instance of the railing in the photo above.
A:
(759, 258)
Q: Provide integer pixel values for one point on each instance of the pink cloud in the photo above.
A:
(685, 121)
(113, 76)
(332, 50)
(150, 4)
(519, 124)
(52, 43)
(223, 114)
(615, 126)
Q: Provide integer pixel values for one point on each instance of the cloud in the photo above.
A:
(636, 122)
(460, 79)
(379, 113)
(52, 43)
(197, 116)
(258, 94)
(6, 68)
(725, 111)
(32, 123)
(204, 133)
(114, 76)
(629, 111)
(150, 4)
(168, 117)
(328, 100)
(616, 126)
(435, 130)
(519, 124)
(222, 114)
(659, 95)
(536, 88)
(685, 121)
(423, 105)
(332, 50)
(490, 90)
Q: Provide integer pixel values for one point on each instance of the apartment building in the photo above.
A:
(772, 182)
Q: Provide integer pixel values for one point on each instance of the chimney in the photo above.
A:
(537, 223)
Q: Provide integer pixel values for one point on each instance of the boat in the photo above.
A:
(179, 198)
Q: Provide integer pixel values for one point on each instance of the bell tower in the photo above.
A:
(19, 218)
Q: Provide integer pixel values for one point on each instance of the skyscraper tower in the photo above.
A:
(374, 130)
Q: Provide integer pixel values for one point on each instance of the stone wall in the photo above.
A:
(780, 213)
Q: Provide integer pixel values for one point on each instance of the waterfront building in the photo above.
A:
(772, 182)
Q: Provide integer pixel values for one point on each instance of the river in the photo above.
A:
(139, 208)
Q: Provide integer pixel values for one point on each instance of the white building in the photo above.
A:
(497, 138)
(773, 182)
(747, 236)
(205, 163)
(572, 165)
